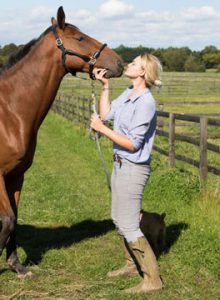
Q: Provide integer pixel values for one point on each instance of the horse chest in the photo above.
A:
(17, 159)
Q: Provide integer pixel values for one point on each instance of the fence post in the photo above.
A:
(69, 107)
(161, 123)
(55, 104)
(89, 110)
(72, 107)
(77, 109)
(172, 139)
(83, 109)
(65, 107)
(61, 105)
(203, 165)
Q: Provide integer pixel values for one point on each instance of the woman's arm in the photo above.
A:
(115, 137)
(104, 102)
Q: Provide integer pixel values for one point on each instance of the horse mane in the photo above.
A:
(17, 55)
(22, 51)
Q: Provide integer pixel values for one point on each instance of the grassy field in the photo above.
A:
(177, 86)
(66, 236)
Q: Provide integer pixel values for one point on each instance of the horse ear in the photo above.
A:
(53, 21)
(61, 17)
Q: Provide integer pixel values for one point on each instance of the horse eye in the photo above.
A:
(81, 38)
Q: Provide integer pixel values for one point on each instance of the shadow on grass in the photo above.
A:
(173, 232)
(38, 240)
(3, 270)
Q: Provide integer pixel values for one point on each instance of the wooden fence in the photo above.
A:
(168, 106)
(201, 142)
(73, 108)
(80, 109)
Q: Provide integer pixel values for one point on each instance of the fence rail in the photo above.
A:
(202, 142)
(80, 109)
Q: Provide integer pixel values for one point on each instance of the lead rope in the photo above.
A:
(96, 136)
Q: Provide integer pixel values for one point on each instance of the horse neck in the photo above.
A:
(37, 76)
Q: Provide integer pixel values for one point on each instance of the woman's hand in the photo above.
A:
(96, 123)
(99, 74)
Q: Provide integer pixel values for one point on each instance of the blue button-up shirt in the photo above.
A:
(135, 118)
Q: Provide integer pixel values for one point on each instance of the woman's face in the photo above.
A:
(134, 69)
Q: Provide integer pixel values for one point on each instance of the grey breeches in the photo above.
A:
(128, 181)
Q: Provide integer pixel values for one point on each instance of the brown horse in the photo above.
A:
(28, 86)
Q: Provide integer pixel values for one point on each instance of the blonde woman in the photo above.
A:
(134, 115)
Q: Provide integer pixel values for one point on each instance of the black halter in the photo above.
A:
(91, 60)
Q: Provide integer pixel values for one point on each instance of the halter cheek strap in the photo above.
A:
(91, 60)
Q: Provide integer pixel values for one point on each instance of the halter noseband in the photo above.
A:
(90, 59)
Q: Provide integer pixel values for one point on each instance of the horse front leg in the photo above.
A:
(7, 215)
(14, 190)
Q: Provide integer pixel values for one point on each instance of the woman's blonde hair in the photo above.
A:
(153, 68)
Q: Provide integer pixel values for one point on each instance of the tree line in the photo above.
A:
(177, 59)
(173, 59)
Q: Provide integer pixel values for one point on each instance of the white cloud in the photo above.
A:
(83, 18)
(163, 28)
(155, 17)
(115, 8)
(117, 23)
(41, 13)
(200, 13)
(83, 14)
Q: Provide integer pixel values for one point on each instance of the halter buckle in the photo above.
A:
(92, 61)
(59, 42)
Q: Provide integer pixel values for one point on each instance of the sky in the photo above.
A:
(157, 24)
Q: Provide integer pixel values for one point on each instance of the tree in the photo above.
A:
(175, 58)
(192, 64)
(211, 56)
(128, 53)
(209, 50)
(7, 49)
(211, 60)
(159, 54)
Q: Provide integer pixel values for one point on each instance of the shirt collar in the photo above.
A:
(136, 96)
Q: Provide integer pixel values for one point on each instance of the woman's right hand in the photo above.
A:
(99, 75)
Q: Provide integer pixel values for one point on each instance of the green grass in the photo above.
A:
(66, 235)
(177, 86)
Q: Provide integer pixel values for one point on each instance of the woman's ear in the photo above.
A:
(142, 73)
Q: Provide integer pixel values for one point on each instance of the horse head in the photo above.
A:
(80, 52)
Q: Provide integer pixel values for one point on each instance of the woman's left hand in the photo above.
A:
(96, 123)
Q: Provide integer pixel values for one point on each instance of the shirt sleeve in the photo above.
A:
(144, 114)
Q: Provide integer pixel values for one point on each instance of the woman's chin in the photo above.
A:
(126, 74)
